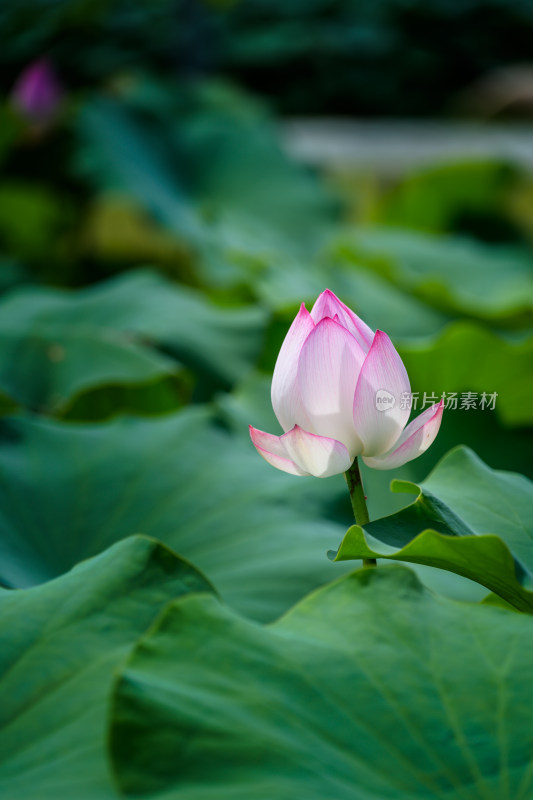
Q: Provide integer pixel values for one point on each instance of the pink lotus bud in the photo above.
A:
(37, 93)
(336, 391)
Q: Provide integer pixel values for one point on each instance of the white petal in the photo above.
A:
(272, 449)
(285, 396)
(329, 305)
(328, 368)
(415, 440)
(317, 455)
(378, 414)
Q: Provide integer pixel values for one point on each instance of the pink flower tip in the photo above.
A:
(37, 93)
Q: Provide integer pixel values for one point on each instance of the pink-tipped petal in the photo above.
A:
(285, 396)
(268, 442)
(272, 450)
(378, 412)
(415, 440)
(317, 455)
(329, 305)
(329, 364)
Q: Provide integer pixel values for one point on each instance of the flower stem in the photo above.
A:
(358, 501)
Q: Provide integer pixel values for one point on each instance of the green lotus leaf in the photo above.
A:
(56, 344)
(468, 519)
(60, 645)
(370, 688)
(493, 282)
(68, 491)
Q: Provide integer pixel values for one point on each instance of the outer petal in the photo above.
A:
(380, 425)
(329, 365)
(415, 440)
(272, 449)
(284, 392)
(329, 305)
(317, 455)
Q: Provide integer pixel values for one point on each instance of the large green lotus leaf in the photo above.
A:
(385, 306)
(56, 343)
(205, 161)
(466, 357)
(192, 155)
(370, 688)
(60, 646)
(46, 364)
(237, 166)
(282, 278)
(68, 491)
(468, 519)
(455, 274)
(116, 152)
(161, 396)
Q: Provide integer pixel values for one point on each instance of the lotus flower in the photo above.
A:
(336, 391)
(37, 93)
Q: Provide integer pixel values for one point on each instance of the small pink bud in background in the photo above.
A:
(336, 391)
(37, 93)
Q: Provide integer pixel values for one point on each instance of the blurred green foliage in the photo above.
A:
(334, 56)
